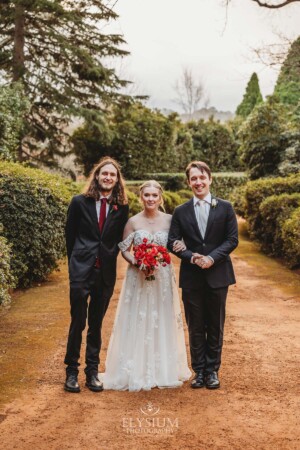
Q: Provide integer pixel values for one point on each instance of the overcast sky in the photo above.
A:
(164, 36)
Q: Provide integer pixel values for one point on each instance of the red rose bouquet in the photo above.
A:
(150, 257)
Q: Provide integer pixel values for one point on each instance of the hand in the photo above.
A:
(204, 262)
(179, 246)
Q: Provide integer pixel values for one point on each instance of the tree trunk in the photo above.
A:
(19, 42)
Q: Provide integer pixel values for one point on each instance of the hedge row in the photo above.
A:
(271, 208)
(7, 281)
(33, 213)
(222, 184)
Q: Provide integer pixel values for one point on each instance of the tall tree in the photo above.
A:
(288, 84)
(252, 97)
(190, 91)
(57, 50)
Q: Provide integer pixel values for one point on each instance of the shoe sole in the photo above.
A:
(213, 387)
(73, 391)
(91, 388)
(197, 387)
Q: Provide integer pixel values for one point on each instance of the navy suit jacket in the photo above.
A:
(85, 243)
(221, 238)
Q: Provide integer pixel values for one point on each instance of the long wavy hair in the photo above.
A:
(92, 188)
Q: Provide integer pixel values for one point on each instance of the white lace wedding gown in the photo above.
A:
(147, 346)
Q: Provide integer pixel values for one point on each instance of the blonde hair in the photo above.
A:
(155, 184)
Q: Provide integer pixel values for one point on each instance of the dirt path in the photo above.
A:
(256, 408)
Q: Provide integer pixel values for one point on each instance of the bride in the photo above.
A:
(147, 347)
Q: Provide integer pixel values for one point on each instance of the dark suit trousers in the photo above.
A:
(93, 311)
(205, 316)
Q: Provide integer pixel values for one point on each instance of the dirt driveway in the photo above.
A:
(257, 406)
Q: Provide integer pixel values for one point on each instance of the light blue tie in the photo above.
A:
(202, 217)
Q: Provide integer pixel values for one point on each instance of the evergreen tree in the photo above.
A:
(57, 50)
(288, 84)
(262, 139)
(252, 97)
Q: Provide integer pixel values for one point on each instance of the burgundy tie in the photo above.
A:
(102, 215)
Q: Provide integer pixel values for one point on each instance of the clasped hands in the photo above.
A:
(204, 262)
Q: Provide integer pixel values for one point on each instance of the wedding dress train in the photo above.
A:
(147, 347)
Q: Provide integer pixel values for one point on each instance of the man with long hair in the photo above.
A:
(95, 224)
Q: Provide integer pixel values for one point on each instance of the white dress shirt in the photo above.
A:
(207, 205)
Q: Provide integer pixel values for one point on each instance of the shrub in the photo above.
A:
(275, 210)
(134, 203)
(171, 200)
(222, 185)
(257, 191)
(33, 213)
(291, 239)
(7, 281)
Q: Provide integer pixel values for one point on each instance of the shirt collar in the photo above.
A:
(207, 199)
(103, 196)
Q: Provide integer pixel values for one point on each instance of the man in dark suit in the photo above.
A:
(95, 224)
(208, 227)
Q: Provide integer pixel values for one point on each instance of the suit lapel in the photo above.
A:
(211, 217)
(192, 217)
(91, 204)
(110, 213)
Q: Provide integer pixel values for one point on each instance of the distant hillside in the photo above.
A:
(203, 113)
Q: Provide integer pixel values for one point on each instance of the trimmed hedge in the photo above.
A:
(33, 213)
(7, 281)
(275, 210)
(257, 191)
(291, 239)
(222, 185)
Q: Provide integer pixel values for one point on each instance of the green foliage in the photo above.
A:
(275, 210)
(138, 137)
(222, 183)
(214, 143)
(269, 206)
(134, 203)
(59, 51)
(252, 97)
(33, 213)
(171, 200)
(7, 281)
(291, 239)
(288, 84)
(13, 107)
(257, 191)
(290, 157)
(262, 139)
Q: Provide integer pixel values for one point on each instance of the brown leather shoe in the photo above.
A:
(71, 384)
(198, 380)
(94, 384)
(212, 380)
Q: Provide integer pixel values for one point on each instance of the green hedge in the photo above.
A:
(7, 281)
(291, 239)
(275, 210)
(257, 191)
(33, 214)
(223, 183)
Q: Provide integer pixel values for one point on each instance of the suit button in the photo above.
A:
(203, 245)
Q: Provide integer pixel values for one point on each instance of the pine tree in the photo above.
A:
(57, 50)
(252, 97)
(288, 84)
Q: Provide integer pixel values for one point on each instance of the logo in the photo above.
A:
(150, 421)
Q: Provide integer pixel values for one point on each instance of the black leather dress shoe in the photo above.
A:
(94, 384)
(198, 380)
(71, 384)
(212, 380)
